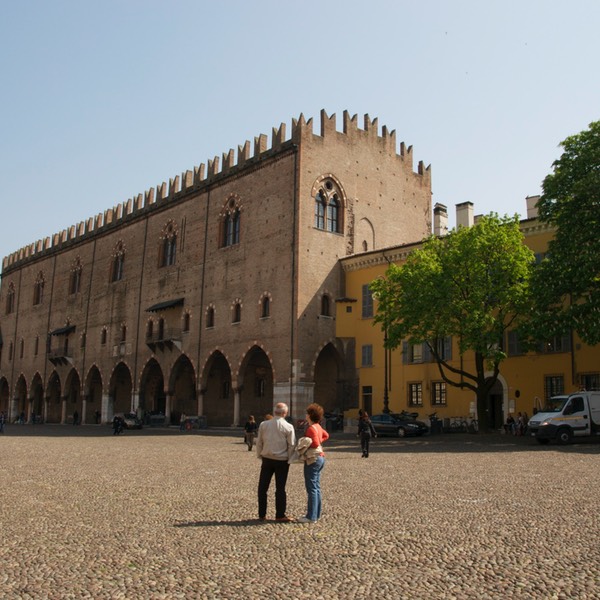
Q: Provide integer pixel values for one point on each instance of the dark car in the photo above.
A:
(130, 421)
(394, 424)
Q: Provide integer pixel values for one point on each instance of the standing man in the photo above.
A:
(274, 446)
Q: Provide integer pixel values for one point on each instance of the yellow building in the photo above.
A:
(414, 382)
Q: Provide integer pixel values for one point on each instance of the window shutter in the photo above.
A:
(448, 347)
(404, 353)
(427, 356)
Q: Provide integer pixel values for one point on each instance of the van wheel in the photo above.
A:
(401, 432)
(564, 435)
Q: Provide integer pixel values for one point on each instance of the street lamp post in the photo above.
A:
(386, 400)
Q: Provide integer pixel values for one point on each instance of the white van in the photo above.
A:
(567, 416)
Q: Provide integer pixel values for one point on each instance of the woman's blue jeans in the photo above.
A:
(312, 481)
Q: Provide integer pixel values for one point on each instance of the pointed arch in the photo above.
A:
(330, 203)
(182, 382)
(37, 396)
(21, 404)
(255, 379)
(53, 398)
(217, 389)
(365, 235)
(93, 394)
(326, 369)
(230, 221)
(120, 390)
(4, 397)
(153, 399)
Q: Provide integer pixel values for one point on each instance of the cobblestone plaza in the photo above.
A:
(164, 514)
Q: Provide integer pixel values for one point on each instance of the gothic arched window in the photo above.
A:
(230, 223)
(328, 207)
(10, 298)
(320, 211)
(118, 262)
(210, 317)
(325, 306)
(265, 307)
(75, 277)
(168, 248)
(38, 289)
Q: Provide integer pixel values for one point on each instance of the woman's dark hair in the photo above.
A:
(315, 412)
(365, 415)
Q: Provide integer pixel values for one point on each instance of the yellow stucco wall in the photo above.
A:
(522, 378)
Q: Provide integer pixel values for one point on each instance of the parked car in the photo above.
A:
(395, 424)
(130, 421)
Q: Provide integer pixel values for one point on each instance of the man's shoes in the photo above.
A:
(285, 519)
(305, 520)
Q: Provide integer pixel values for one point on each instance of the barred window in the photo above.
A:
(553, 385)
(367, 302)
(438, 393)
(367, 355)
(415, 394)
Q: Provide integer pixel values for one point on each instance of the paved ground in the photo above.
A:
(163, 514)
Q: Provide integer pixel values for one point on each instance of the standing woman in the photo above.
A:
(250, 429)
(314, 463)
(365, 431)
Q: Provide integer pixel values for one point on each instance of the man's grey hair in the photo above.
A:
(281, 409)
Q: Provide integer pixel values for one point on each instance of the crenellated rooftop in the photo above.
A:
(203, 175)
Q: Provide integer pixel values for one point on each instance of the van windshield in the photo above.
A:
(555, 404)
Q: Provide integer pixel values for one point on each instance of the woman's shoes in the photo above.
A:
(305, 520)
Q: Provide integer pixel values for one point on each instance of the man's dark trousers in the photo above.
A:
(280, 469)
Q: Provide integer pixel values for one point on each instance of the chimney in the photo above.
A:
(464, 215)
(532, 211)
(440, 219)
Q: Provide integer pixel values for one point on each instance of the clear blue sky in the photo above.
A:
(103, 100)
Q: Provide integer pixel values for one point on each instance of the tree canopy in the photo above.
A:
(567, 282)
(473, 285)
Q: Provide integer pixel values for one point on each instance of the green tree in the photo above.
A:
(473, 285)
(566, 284)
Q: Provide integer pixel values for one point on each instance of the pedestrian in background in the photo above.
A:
(365, 431)
(250, 429)
(274, 446)
(314, 463)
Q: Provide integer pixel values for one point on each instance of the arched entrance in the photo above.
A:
(74, 408)
(152, 389)
(183, 384)
(119, 391)
(218, 395)
(494, 409)
(327, 381)
(4, 395)
(53, 398)
(93, 393)
(37, 397)
(256, 377)
(21, 400)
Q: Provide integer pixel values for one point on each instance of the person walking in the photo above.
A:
(2, 419)
(274, 446)
(365, 431)
(250, 432)
(314, 462)
(182, 420)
